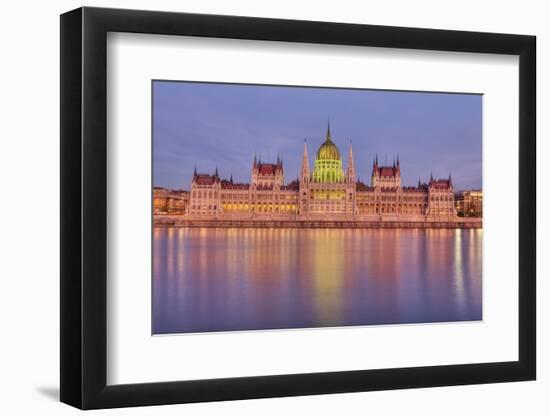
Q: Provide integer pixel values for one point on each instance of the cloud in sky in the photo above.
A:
(211, 125)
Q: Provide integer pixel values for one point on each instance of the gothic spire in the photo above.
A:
(351, 165)
(304, 174)
(328, 138)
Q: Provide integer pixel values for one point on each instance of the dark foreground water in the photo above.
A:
(240, 279)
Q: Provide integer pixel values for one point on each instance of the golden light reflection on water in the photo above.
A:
(236, 279)
(328, 272)
(459, 270)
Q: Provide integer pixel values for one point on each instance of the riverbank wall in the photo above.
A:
(458, 223)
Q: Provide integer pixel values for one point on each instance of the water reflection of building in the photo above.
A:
(469, 203)
(327, 192)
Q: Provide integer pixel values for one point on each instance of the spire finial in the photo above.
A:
(195, 172)
(328, 131)
(216, 173)
(397, 158)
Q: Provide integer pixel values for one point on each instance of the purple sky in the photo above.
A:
(223, 125)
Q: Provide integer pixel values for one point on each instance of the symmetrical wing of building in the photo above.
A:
(327, 192)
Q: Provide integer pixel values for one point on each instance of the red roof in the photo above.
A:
(205, 179)
(267, 169)
(385, 171)
(441, 184)
(226, 185)
(361, 186)
(294, 185)
(414, 189)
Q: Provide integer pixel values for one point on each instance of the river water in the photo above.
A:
(249, 279)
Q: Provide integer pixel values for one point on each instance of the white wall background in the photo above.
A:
(29, 219)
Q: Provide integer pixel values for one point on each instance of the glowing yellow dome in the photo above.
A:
(328, 150)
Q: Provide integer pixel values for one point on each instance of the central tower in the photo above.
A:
(328, 163)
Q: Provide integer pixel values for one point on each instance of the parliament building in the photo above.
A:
(328, 192)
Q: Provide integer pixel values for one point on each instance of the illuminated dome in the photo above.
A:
(328, 149)
(328, 165)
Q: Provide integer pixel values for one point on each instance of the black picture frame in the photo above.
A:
(84, 207)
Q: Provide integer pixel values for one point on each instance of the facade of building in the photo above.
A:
(469, 203)
(167, 201)
(328, 192)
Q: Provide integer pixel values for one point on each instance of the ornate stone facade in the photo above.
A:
(327, 193)
(170, 202)
(469, 203)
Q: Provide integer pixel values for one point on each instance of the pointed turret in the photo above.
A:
(351, 166)
(195, 172)
(375, 165)
(328, 138)
(304, 173)
(231, 179)
(216, 172)
(255, 161)
(279, 162)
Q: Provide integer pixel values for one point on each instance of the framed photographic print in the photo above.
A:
(258, 207)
